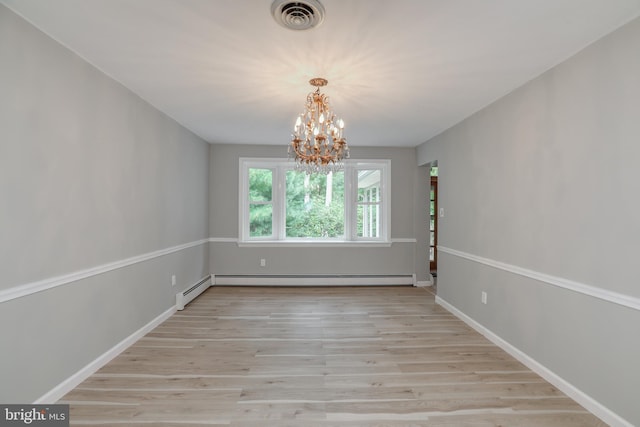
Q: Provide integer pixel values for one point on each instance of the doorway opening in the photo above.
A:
(433, 221)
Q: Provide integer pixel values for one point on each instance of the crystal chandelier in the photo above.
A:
(317, 144)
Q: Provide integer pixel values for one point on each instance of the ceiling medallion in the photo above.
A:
(318, 144)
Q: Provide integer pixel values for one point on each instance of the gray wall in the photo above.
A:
(408, 221)
(547, 179)
(90, 174)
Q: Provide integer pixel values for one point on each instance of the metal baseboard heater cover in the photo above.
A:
(314, 280)
(185, 297)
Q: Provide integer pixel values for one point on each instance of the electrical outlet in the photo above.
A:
(263, 262)
(441, 212)
(483, 297)
(173, 280)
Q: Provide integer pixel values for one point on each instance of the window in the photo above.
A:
(278, 204)
(369, 203)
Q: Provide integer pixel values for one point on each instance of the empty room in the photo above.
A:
(319, 213)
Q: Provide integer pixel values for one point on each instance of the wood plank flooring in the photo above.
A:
(318, 357)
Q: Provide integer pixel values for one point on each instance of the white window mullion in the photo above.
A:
(385, 200)
(350, 199)
(278, 206)
(378, 231)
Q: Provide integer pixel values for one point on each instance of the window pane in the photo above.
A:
(260, 220)
(315, 205)
(432, 254)
(368, 221)
(260, 184)
(369, 202)
(369, 185)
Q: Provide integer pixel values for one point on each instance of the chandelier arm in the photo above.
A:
(303, 155)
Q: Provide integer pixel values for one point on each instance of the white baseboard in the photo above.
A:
(312, 280)
(73, 381)
(424, 284)
(589, 403)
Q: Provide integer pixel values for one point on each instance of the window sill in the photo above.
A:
(322, 244)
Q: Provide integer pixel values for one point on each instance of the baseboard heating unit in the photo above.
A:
(315, 280)
(185, 297)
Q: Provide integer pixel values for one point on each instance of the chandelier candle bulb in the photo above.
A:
(296, 128)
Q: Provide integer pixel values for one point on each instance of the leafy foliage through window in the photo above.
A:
(314, 205)
(260, 202)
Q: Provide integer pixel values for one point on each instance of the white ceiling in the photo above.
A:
(399, 72)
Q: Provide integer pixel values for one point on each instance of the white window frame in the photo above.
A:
(278, 237)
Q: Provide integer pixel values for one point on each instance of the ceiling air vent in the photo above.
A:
(298, 15)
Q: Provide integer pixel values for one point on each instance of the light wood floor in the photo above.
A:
(307, 357)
